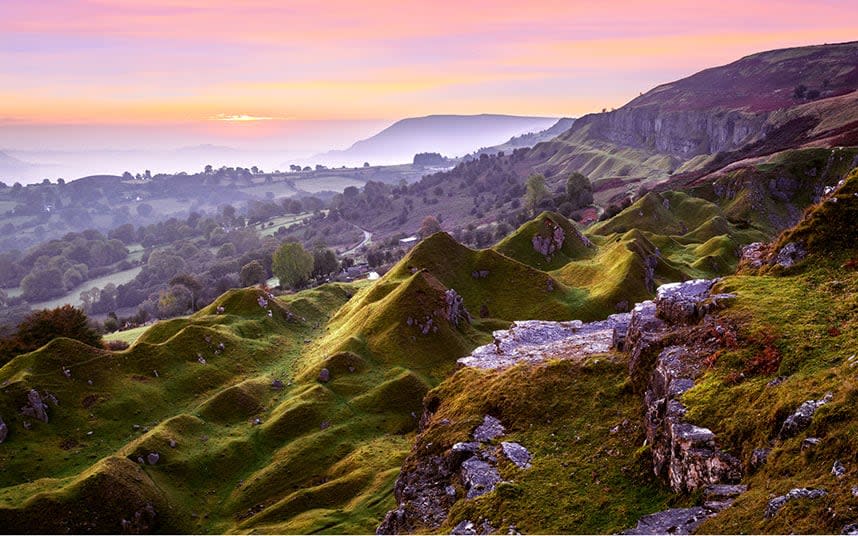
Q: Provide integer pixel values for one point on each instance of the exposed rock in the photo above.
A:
(851, 528)
(454, 308)
(753, 255)
(517, 454)
(680, 303)
(790, 254)
(720, 496)
(277, 385)
(673, 521)
(534, 341)
(153, 458)
(141, 522)
(551, 242)
(802, 417)
(173, 444)
(468, 527)
(35, 408)
(324, 375)
(479, 477)
(838, 469)
(489, 429)
(809, 442)
(759, 458)
(4, 431)
(796, 493)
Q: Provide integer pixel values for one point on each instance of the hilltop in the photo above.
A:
(450, 135)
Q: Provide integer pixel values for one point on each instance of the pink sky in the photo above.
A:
(182, 62)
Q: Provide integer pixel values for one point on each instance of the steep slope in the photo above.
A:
(450, 135)
(529, 139)
(699, 124)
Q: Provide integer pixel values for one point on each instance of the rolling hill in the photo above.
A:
(450, 135)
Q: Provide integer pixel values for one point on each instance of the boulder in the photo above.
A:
(802, 417)
(796, 493)
(791, 253)
(490, 428)
(35, 408)
(454, 308)
(673, 521)
(324, 375)
(152, 458)
(838, 469)
(517, 454)
(759, 458)
(479, 477)
(851, 528)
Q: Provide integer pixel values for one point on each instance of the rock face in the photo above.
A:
(35, 407)
(454, 308)
(533, 341)
(796, 493)
(551, 241)
(685, 456)
(425, 491)
(802, 417)
(790, 254)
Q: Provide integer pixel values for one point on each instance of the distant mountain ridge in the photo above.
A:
(450, 135)
(11, 167)
(530, 139)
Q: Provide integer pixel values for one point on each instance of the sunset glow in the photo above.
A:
(138, 61)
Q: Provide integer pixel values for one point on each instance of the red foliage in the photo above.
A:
(767, 360)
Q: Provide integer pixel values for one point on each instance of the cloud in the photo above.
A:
(240, 117)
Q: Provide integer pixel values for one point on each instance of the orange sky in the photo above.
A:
(167, 61)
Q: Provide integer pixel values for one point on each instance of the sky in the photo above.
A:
(305, 75)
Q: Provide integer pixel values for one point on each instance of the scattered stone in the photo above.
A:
(855, 491)
(140, 460)
(141, 522)
(517, 454)
(201, 360)
(479, 477)
(550, 243)
(27, 425)
(673, 521)
(153, 458)
(4, 431)
(277, 385)
(489, 429)
(809, 442)
(173, 443)
(67, 372)
(777, 381)
(325, 425)
(35, 407)
(450, 491)
(790, 254)
(324, 375)
(796, 493)
(220, 309)
(802, 417)
(759, 458)
(851, 528)
(838, 469)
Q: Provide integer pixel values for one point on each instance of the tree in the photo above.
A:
(579, 191)
(324, 262)
(429, 226)
(252, 273)
(144, 210)
(41, 327)
(208, 169)
(292, 264)
(41, 285)
(366, 164)
(536, 192)
(192, 284)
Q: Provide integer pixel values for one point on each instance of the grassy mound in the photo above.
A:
(520, 244)
(584, 479)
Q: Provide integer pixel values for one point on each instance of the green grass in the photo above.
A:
(584, 478)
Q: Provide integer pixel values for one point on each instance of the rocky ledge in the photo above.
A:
(534, 341)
